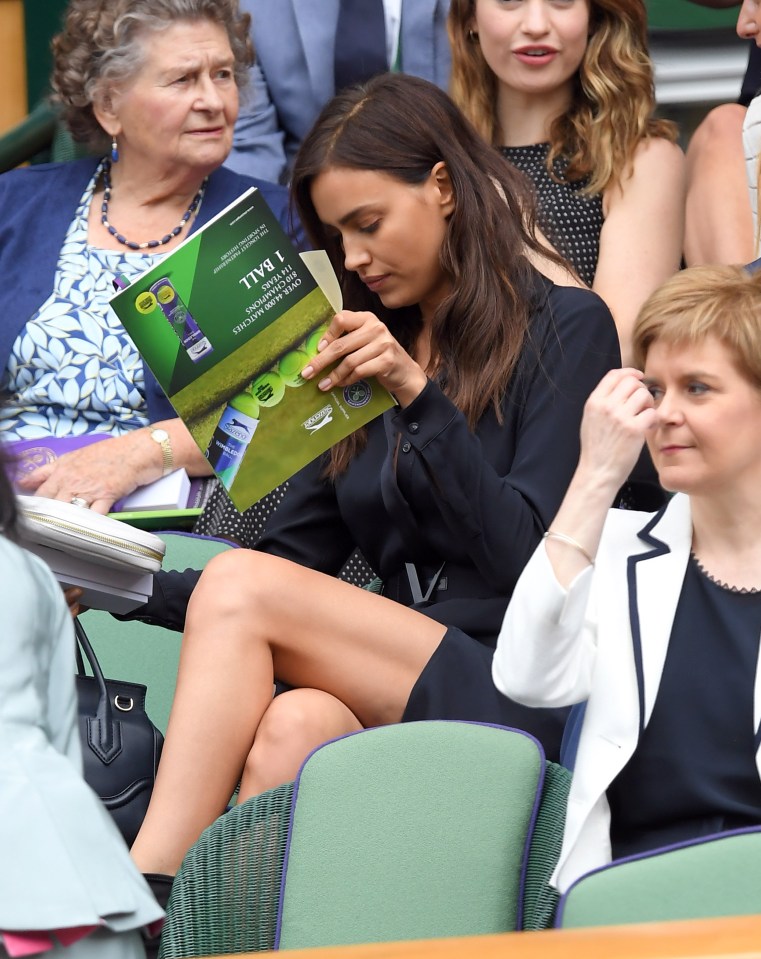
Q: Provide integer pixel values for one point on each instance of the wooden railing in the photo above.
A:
(13, 97)
(732, 938)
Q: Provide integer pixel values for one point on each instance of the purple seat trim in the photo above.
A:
(651, 854)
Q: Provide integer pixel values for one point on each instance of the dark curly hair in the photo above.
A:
(99, 46)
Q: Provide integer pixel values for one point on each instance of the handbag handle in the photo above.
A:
(103, 731)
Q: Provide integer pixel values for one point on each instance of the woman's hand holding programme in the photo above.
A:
(363, 346)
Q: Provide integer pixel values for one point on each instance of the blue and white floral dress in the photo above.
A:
(73, 369)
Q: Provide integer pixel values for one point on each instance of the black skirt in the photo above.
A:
(457, 684)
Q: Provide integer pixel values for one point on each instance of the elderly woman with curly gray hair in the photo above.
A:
(152, 87)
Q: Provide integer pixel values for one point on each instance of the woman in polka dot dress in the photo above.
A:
(565, 89)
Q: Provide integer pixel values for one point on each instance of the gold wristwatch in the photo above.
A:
(162, 438)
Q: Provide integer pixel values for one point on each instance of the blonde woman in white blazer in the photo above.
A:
(653, 620)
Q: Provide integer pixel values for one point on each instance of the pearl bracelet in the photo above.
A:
(551, 534)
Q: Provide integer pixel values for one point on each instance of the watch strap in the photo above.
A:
(162, 438)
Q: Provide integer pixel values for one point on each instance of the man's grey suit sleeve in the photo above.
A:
(258, 142)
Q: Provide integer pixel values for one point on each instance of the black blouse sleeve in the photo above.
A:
(496, 516)
(306, 528)
(168, 602)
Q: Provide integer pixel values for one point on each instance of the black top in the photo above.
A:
(427, 490)
(570, 220)
(694, 771)
(752, 79)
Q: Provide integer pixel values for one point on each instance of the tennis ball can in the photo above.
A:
(195, 343)
(232, 436)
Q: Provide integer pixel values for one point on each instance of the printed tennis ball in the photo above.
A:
(312, 341)
(290, 367)
(245, 403)
(268, 388)
(261, 352)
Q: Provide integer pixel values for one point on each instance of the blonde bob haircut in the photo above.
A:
(614, 96)
(720, 301)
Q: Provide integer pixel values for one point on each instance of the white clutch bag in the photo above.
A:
(112, 561)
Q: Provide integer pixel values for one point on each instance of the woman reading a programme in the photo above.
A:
(446, 495)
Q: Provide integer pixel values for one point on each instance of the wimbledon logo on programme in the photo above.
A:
(319, 419)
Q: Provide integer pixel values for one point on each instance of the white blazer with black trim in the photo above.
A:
(602, 641)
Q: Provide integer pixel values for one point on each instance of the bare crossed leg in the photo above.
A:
(295, 723)
(251, 617)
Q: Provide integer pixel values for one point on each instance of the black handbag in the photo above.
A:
(120, 745)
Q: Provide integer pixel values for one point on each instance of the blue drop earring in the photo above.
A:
(114, 150)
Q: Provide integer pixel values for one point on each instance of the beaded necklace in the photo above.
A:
(148, 244)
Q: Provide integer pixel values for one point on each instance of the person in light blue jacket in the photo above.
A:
(293, 77)
(68, 887)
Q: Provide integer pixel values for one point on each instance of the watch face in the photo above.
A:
(160, 435)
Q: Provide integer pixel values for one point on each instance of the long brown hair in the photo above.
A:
(613, 101)
(479, 329)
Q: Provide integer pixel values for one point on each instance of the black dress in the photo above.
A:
(427, 494)
(694, 772)
(570, 220)
(752, 80)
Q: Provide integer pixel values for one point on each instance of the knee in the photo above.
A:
(289, 724)
(232, 584)
(294, 724)
(719, 131)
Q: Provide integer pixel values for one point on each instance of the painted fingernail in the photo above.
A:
(321, 345)
(324, 384)
(307, 372)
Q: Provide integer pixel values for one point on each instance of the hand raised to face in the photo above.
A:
(617, 417)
